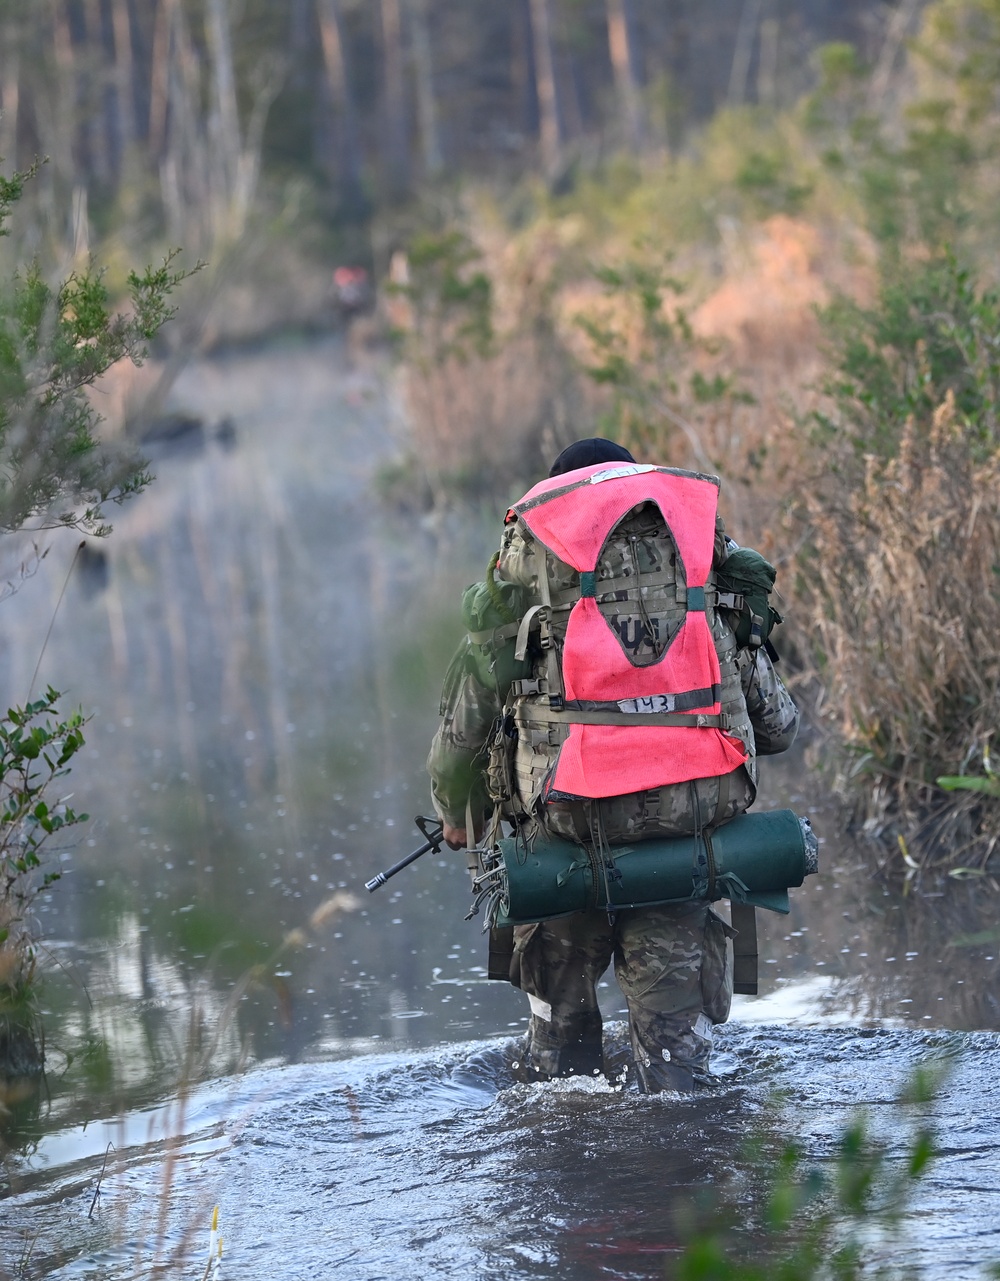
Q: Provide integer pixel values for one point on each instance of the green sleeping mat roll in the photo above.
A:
(753, 859)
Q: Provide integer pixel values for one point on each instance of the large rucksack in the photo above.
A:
(644, 600)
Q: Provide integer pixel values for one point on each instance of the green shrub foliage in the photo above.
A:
(55, 341)
(842, 1219)
(36, 747)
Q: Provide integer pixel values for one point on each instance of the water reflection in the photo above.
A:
(261, 653)
(866, 953)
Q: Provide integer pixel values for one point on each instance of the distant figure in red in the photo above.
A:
(351, 289)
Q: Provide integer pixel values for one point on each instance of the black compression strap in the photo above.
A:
(710, 855)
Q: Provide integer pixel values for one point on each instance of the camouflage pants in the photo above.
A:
(674, 969)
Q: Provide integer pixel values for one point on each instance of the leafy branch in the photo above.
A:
(35, 750)
(56, 340)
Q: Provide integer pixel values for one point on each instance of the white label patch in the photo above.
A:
(648, 706)
(615, 473)
(702, 1027)
(542, 1009)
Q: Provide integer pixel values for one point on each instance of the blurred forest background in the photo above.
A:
(755, 237)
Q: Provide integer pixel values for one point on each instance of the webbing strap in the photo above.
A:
(495, 635)
(706, 837)
(552, 672)
(693, 720)
(688, 700)
(645, 578)
(524, 630)
(744, 949)
(723, 801)
(568, 597)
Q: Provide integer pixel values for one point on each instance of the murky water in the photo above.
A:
(262, 660)
(435, 1164)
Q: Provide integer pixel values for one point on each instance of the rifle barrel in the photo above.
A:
(372, 885)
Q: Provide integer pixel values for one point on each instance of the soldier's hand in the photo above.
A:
(457, 838)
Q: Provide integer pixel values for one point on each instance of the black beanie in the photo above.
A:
(584, 453)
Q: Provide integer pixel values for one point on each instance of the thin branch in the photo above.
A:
(97, 1190)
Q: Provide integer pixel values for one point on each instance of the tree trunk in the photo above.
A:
(767, 67)
(682, 98)
(331, 30)
(523, 71)
(95, 115)
(10, 95)
(745, 37)
(423, 66)
(224, 123)
(159, 90)
(186, 172)
(545, 80)
(124, 74)
(397, 151)
(300, 39)
(624, 63)
(62, 126)
(902, 18)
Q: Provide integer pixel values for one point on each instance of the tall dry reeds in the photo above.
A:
(481, 421)
(898, 585)
(488, 387)
(902, 587)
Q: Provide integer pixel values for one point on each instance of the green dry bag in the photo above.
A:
(491, 618)
(750, 578)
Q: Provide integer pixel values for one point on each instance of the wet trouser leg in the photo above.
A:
(557, 964)
(673, 967)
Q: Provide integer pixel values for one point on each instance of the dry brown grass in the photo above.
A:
(479, 422)
(901, 586)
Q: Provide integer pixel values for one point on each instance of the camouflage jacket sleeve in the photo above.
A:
(772, 710)
(457, 760)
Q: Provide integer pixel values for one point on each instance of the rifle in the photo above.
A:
(433, 830)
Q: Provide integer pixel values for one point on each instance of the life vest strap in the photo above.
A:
(689, 700)
(581, 716)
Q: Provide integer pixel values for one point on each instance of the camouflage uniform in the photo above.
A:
(672, 961)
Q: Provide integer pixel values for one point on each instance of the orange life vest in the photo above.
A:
(633, 728)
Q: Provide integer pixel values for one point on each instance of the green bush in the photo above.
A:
(35, 750)
(55, 341)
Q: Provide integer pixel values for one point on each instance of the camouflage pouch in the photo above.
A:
(501, 783)
(717, 968)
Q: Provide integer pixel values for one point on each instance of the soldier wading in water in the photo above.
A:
(507, 747)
